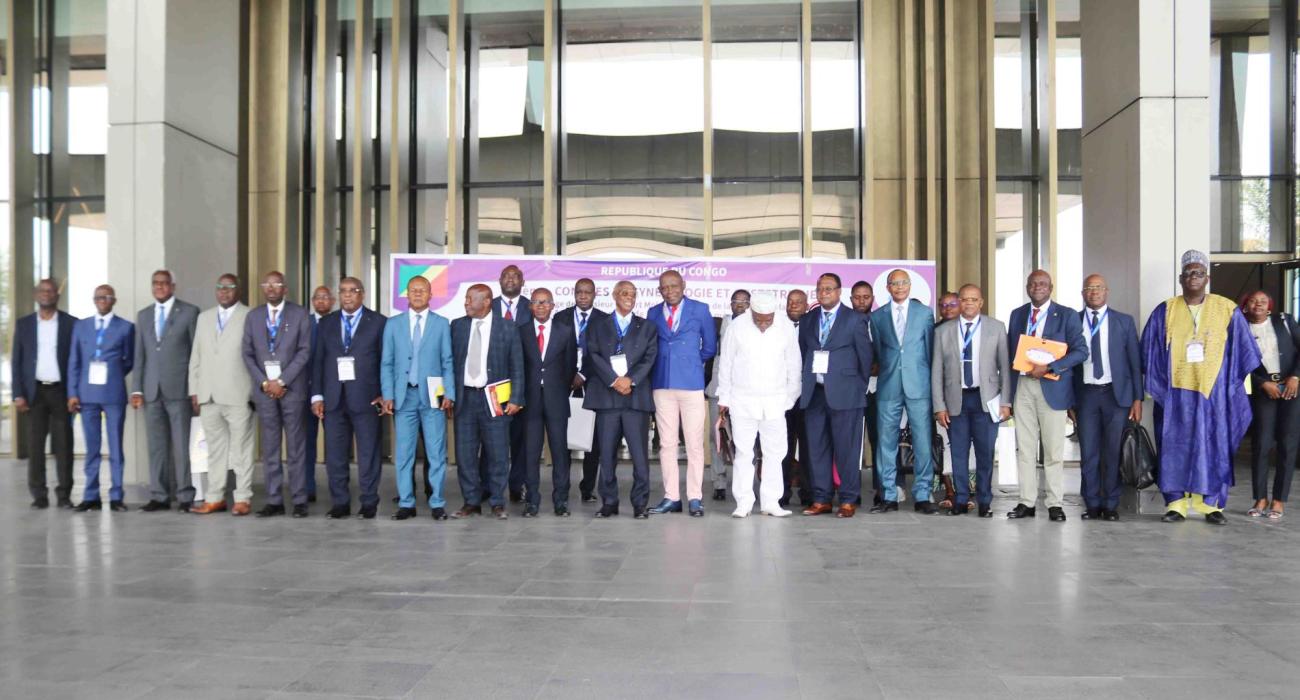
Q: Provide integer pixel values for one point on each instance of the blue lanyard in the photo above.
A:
(1031, 329)
(969, 337)
(622, 331)
(272, 330)
(99, 337)
(349, 322)
(1093, 330)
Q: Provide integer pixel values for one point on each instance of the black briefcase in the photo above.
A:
(1139, 465)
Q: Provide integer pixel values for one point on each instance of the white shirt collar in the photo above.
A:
(419, 314)
(166, 305)
(276, 309)
(901, 304)
(622, 320)
(537, 323)
(345, 314)
(1042, 308)
(1100, 312)
(106, 318)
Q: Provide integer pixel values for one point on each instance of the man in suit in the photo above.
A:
(1039, 402)
(902, 333)
(164, 338)
(620, 356)
(550, 361)
(687, 339)
(580, 317)
(739, 305)
(837, 359)
(102, 354)
(346, 395)
(797, 461)
(322, 303)
(417, 349)
(39, 367)
(1107, 394)
(220, 399)
(486, 351)
(512, 307)
(971, 369)
(277, 354)
(863, 297)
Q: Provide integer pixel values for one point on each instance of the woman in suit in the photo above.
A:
(1276, 413)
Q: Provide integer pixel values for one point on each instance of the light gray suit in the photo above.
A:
(285, 416)
(217, 375)
(161, 376)
(993, 374)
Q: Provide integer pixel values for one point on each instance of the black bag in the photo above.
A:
(906, 456)
(1138, 464)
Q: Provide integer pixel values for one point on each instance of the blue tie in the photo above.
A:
(162, 321)
(413, 372)
(827, 321)
(348, 320)
(967, 359)
(1095, 347)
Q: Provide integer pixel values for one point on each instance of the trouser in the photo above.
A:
(538, 424)
(1101, 422)
(167, 431)
(283, 418)
(795, 466)
(114, 415)
(228, 431)
(835, 438)
(517, 456)
(312, 429)
(48, 415)
(682, 408)
(476, 429)
(973, 426)
(614, 426)
(342, 425)
(719, 466)
(1276, 424)
(771, 434)
(414, 419)
(919, 421)
(1038, 424)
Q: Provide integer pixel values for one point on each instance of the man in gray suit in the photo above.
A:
(164, 336)
(970, 371)
(277, 353)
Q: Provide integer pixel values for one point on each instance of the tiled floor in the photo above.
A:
(136, 605)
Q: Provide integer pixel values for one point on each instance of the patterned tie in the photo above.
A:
(967, 359)
(413, 371)
(162, 321)
(509, 316)
(672, 316)
(900, 324)
(1095, 349)
(827, 321)
(476, 350)
(582, 331)
(1033, 321)
(348, 320)
(541, 340)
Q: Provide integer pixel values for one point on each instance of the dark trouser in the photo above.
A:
(341, 425)
(476, 430)
(312, 430)
(167, 431)
(277, 418)
(613, 426)
(972, 427)
(797, 457)
(537, 422)
(835, 437)
(49, 416)
(518, 456)
(590, 465)
(1276, 424)
(1101, 422)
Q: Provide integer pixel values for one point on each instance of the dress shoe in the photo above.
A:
(530, 511)
(468, 511)
(1172, 516)
(154, 506)
(1110, 516)
(516, 496)
(403, 514)
(777, 512)
(783, 502)
(439, 514)
(369, 512)
(884, 507)
(696, 508)
(740, 513)
(206, 508)
(846, 510)
(241, 508)
(986, 511)
(300, 510)
(561, 511)
(88, 505)
(311, 498)
(40, 504)
(65, 502)
(338, 512)
(588, 498)
(500, 512)
(397, 499)
(719, 494)
(269, 510)
(1056, 514)
(182, 507)
(925, 508)
(957, 509)
(1021, 511)
(1216, 518)
(117, 506)
(817, 509)
(667, 506)
(641, 513)
(607, 511)
(1091, 514)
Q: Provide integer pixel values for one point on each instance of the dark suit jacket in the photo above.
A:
(505, 357)
(117, 351)
(23, 363)
(1062, 324)
(1125, 354)
(569, 317)
(547, 380)
(523, 312)
(849, 344)
(292, 349)
(162, 369)
(1288, 348)
(367, 350)
(640, 345)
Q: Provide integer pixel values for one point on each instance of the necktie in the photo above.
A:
(476, 350)
(672, 316)
(899, 322)
(99, 336)
(1095, 349)
(348, 320)
(162, 321)
(413, 371)
(582, 331)
(509, 316)
(221, 321)
(272, 330)
(1033, 322)
(541, 340)
(827, 321)
(967, 359)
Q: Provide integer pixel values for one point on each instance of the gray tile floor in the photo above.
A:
(164, 606)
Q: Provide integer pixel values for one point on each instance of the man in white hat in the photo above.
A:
(758, 380)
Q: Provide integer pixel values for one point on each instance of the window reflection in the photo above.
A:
(503, 51)
(757, 219)
(835, 95)
(505, 220)
(429, 94)
(834, 219)
(657, 221)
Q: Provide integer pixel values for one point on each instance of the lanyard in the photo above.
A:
(272, 330)
(1031, 329)
(969, 336)
(1095, 329)
(99, 336)
(582, 327)
(622, 331)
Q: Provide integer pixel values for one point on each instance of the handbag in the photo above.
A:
(1138, 465)
(582, 425)
(906, 455)
(722, 434)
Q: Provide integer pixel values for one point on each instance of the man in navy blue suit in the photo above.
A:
(580, 317)
(1040, 402)
(837, 356)
(103, 351)
(550, 361)
(347, 396)
(511, 306)
(322, 302)
(40, 384)
(1107, 394)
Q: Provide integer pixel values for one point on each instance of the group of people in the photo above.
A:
(799, 389)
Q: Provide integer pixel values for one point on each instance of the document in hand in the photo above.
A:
(1032, 351)
(497, 394)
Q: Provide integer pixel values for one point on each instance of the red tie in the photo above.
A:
(672, 314)
(541, 340)
(1033, 320)
(509, 316)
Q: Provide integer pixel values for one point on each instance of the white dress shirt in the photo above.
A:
(164, 309)
(545, 330)
(411, 317)
(1042, 318)
(759, 374)
(1266, 339)
(47, 349)
(275, 311)
(976, 326)
(1104, 330)
(223, 317)
(512, 304)
(485, 324)
(899, 316)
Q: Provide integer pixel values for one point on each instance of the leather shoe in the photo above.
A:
(241, 508)
(438, 514)
(40, 504)
(607, 511)
(338, 512)
(1172, 516)
(117, 506)
(846, 510)
(530, 511)
(1091, 514)
(154, 506)
(65, 502)
(88, 505)
(817, 509)
(696, 508)
(957, 509)
(500, 512)
(884, 507)
(311, 498)
(986, 511)
(1110, 516)
(206, 508)
(516, 496)
(397, 499)
(667, 506)
(300, 510)
(1216, 518)
(369, 512)
(1021, 511)
(403, 514)
(588, 498)
(184, 507)
(467, 511)
(1056, 514)
(719, 494)
(639, 513)
(269, 510)
(561, 511)
(925, 508)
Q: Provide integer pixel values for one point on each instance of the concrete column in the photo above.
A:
(172, 164)
(1146, 178)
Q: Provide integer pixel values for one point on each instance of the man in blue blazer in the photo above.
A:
(511, 306)
(346, 395)
(621, 351)
(687, 340)
(486, 350)
(902, 332)
(417, 348)
(39, 367)
(550, 362)
(1107, 394)
(103, 351)
(1039, 403)
(837, 355)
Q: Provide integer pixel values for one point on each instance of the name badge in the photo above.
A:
(272, 368)
(1195, 352)
(619, 363)
(99, 373)
(821, 361)
(347, 369)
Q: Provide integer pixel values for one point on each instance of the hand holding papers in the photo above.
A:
(1032, 351)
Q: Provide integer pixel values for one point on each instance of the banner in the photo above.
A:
(710, 280)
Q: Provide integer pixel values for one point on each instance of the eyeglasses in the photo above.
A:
(950, 304)
(273, 285)
(544, 302)
(349, 290)
(1094, 288)
(901, 283)
(220, 287)
(1195, 274)
(103, 297)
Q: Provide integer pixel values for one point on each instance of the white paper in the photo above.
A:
(272, 368)
(347, 369)
(198, 449)
(994, 406)
(1195, 352)
(99, 373)
(871, 385)
(821, 363)
(619, 363)
(435, 390)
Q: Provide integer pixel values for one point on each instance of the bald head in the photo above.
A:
(1095, 291)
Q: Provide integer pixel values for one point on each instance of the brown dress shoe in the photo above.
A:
(206, 508)
(242, 508)
(467, 511)
(817, 509)
(846, 510)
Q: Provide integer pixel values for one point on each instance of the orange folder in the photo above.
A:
(1031, 348)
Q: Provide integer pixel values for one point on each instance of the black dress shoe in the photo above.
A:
(640, 513)
(719, 494)
(1091, 514)
(1021, 511)
(1056, 514)
(783, 502)
(1172, 516)
(337, 512)
(925, 508)
(957, 510)
(500, 512)
(184, 507)
(561, 511)
(117, 506)
(40, 504)
(1110, 516)
(607, 512)
(439, 514)
(300, 510)
(516, 496)
(369, 512)
(1216, 518)
(88, 505)
(986, 511)
(154, 506)
(588, 498)
(269, 510)
(884, 507)
(397, 499)
(65, 502)
(311, 498)
(403, 514)
(530, 511)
